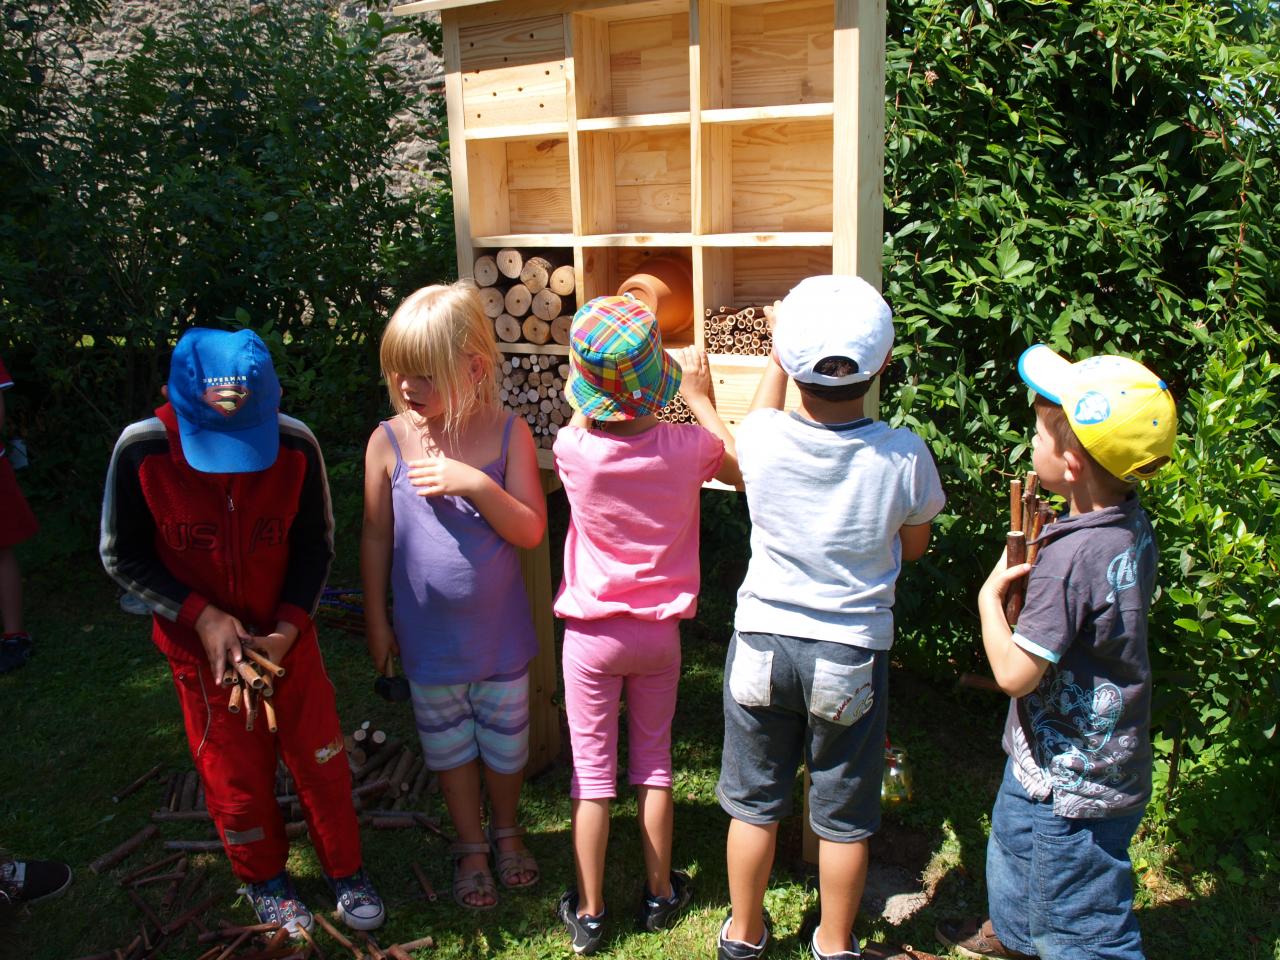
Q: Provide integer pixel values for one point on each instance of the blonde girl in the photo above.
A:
(451, 490)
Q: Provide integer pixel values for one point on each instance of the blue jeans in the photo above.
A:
(1057, 887)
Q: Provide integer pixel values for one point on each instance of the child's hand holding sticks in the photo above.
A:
(1027, 516)
(252, 687)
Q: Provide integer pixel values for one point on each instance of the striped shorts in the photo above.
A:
(488, 719)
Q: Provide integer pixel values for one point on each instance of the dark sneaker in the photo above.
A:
(15, 651)
(276, 901)
(30, 881)
(359, 905)
(658, 913)
(586, 931)
(727, 949)
(854, 954)
(969, 938)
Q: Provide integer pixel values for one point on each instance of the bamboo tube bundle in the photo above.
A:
(677, 411)
(744, 331)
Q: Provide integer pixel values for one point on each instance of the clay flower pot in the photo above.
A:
(665, 285)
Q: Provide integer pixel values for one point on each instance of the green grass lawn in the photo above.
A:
(94, 709)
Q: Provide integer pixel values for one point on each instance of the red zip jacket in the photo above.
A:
(256, 545)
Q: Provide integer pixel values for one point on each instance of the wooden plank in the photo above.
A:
(786, 111)
(803, 238)
(534, 178)
(510, 96)
(678, 120)
(592, 83)
(528, 41)
(490, 200)
(762, 275)
(544, 716)
(782, 176)
(734, 380)
(712, 283)
(651, 171)
(595, 153)
(458, 154)
(781, 52)
(649, 65)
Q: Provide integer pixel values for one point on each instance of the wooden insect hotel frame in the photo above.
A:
(745, 137)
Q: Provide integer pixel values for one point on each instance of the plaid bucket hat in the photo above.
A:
(617, 367)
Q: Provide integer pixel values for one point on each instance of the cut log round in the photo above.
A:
(560, 328)
(485, 271)
(547, 305)
(507, 327)
(563, 281)
(492, 300)
(518, 299)
(536, 273)
(510, 262)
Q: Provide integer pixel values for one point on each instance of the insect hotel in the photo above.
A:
(705, 154)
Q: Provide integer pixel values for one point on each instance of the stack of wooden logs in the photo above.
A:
(741, 330)
(530, 299)
(376, 756)
(532, 385)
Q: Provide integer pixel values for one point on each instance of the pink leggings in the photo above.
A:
(601, 658)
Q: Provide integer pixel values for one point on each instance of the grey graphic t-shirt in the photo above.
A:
(1083, 735)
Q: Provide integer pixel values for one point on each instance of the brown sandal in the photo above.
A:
(512, 863)
(478, 881)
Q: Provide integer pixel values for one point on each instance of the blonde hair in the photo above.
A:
(433, 334)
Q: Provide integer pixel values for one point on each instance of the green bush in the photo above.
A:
(236, 172)
(1101, 177)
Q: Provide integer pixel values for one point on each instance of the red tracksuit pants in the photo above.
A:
(238, 767)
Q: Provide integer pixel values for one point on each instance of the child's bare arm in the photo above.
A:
(915, 539)
(1016, 671)
(695, 387)
(376, 539)
(771, 392)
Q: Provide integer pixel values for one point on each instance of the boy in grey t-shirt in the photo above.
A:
(837, 503)
(1059, 881)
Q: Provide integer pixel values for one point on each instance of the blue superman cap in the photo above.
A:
(224, 390)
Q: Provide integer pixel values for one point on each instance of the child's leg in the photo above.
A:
(842, 874)
(847, 711)
(1009, 877)
(764, 736)
(653, 676)
(592, 693)
(748, 859)
(1082, 889)
(238, 768)
(310, 742)
(501, 708)
(590, 843)
(10, 591)
(447, 730)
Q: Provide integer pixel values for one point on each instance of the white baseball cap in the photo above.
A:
(832, 316)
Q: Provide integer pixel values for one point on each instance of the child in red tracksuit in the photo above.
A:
(217, 515)
(17, 523)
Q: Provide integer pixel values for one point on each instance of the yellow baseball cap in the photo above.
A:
(1121, 412)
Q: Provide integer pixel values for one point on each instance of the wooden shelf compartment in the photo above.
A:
(757, 54)
(513, 73)
(631, 60)
(635, 181)
(604, 268)
(753, 276)
(769, 177)
(519, 186)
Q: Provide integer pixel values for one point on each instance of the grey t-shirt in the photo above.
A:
(1084, 734)
(826, 502)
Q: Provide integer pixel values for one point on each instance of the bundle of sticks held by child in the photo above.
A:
(251, 688)
(1027, 516)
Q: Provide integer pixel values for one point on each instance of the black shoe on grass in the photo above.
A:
(30, 881)
(658, 913)
(586, 931)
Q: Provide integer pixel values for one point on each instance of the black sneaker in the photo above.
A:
(817, 954)
(658, 913)
(586, 931)
(30, 881)
(276, 901)
(15, 651)
(359, 905)
(727, 949)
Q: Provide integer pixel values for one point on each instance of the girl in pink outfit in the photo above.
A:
(630, 576)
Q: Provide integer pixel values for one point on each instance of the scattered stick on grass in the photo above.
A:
(112, 857)
(153, 772)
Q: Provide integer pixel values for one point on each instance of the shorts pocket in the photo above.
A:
(750, 675)
(842, 692)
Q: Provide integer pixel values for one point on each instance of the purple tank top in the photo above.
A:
(458, 599)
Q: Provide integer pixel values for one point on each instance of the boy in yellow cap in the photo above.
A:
(1059, 880)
